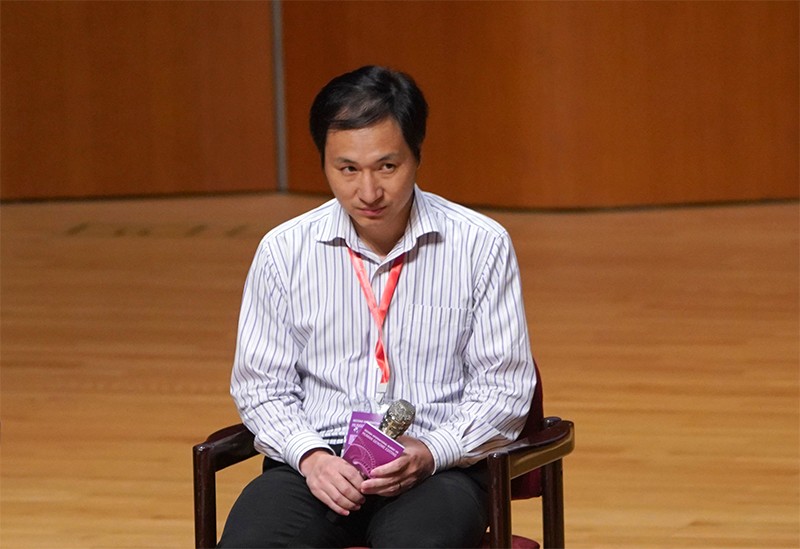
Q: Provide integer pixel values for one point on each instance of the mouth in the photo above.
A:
(371, 212)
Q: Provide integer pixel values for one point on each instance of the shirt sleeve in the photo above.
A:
(264, 382)
(500, 369)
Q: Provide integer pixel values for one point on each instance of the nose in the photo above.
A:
(370, 190)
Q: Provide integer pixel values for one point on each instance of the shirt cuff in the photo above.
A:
(444, 447)
(300, 444)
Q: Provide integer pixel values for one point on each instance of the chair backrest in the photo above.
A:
(529, 485)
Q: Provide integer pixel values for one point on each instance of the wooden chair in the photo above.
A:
(530, 467)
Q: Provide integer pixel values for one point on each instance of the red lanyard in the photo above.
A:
(378, 312)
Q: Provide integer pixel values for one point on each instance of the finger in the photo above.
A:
(352, 475)
(328, 495)
(348, 496)
(394, 468)
(349, 483)
(341, 500)
(335, 489)
(336, 508)
(387, 486)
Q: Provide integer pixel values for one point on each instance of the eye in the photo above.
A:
(347, 169)
(388, 167)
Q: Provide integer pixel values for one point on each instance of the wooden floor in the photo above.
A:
(669, 336)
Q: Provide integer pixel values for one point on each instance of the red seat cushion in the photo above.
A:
(517, 542)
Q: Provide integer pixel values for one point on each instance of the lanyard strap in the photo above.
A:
(378, 312)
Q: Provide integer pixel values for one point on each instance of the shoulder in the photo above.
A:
(288, 242)
(304, 223)
(298, 230)
(451, 215)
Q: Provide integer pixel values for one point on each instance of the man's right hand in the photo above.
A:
(333, 481)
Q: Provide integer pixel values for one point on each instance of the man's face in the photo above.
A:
(372, 172)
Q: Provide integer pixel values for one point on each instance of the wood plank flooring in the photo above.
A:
(669, 336)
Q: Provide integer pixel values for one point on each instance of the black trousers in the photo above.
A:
(277, 509)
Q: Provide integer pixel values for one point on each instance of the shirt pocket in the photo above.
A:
(433, 343)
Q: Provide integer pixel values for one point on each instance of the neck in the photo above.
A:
(380, 243)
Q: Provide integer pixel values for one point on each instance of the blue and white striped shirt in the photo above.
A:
(455, 334)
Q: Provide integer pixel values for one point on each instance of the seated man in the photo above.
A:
(385, 292)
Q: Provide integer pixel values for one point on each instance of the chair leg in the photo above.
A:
(553, 505)
(205, 499)
(499, 502)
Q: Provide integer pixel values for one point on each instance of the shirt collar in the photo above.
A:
(420, 222)
(337, 226)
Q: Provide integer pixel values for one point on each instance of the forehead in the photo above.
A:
(364, 144)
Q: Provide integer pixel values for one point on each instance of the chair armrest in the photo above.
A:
(223, 448)
(228, 446)
(544, 450)
(548, 445)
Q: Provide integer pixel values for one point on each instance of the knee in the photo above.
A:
(259, 516)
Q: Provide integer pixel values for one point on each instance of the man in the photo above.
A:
(385, 292)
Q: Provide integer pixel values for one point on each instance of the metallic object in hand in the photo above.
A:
(397, 418)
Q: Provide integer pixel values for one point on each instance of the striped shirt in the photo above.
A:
(455, 334)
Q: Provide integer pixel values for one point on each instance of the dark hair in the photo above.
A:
(366, 96)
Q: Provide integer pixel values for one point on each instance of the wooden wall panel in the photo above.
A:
(571, 104)
(131, 98)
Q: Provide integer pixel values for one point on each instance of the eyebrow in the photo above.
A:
(385, 157)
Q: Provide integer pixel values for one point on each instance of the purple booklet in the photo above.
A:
(357, 421)
(371, 448)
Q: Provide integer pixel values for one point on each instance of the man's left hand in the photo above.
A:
(413, 466)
